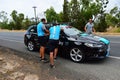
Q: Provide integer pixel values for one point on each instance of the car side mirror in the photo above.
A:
(32, 30)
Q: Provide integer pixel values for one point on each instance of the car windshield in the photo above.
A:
(71, 30)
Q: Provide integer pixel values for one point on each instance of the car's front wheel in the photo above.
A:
(31, 46)
(76, 55)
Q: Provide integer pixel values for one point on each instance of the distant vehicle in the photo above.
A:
(72, 42)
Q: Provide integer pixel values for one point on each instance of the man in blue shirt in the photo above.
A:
(89, 27)
(41, 31)
(53, 42)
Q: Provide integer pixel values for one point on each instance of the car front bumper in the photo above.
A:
(98, 52)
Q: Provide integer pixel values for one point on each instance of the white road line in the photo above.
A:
(114, 57)
(114, 42)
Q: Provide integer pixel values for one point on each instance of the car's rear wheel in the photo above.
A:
(76, 55)
(31, 46)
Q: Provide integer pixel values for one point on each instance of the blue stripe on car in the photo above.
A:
(104, 40)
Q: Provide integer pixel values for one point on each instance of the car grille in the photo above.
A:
(97, 51)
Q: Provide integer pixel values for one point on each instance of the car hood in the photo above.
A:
(89, 38)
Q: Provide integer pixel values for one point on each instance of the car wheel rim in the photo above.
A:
(76, 55)
(30, 46)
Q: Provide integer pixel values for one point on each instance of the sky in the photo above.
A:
(26, 6)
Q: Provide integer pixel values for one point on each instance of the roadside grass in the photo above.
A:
(114, 30)
(111, 31)
(6, 30)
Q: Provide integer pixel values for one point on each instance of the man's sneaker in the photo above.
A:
(45, 60)
(52, 66)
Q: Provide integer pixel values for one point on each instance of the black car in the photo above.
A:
(72, 42)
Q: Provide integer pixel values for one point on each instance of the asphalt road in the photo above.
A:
(107, 69)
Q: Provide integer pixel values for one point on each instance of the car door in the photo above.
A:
(34, 36)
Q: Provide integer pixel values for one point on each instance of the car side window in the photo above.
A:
(33, 29)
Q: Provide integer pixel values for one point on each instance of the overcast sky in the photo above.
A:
(25, 6)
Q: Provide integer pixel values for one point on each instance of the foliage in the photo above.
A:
(4, 25)
(17, 19)
(118, 30)
(66, 11)
(11, 25)
(51, 15)
(3, 20)
(74, 13)
(114, 29)
(26, 23)
(3, 16)
(113, 19)
(60, 17)
(101, 24)
(18, 22)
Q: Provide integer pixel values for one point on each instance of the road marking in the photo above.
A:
(114, 57)
(114, 42)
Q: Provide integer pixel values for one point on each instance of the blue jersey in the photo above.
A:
(40, 29)
(54, 32)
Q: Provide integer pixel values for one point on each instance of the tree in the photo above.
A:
(51, 15)
(66, 11)
(11, 25)
(60, 17)
(3, 20)
(18, 19)
(26, 23)
(74, 11)
(102, 25)
(3, 16)
(113, 19)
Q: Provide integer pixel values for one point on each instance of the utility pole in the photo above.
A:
(35, 14)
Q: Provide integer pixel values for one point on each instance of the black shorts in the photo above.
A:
(52, 44)
(42, 40)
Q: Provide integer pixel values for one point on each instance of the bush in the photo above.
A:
(118, 30)
(114, 29)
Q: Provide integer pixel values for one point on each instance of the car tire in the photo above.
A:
(30, 46)
(76, 55)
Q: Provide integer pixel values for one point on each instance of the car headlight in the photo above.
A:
(93, 45)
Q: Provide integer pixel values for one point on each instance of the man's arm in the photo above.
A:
(46, 31)
(93, 29)
(85, 28)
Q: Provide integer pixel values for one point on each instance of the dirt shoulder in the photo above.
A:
(18, 66)
(107, 34)
(5, 30)
(13, 67)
